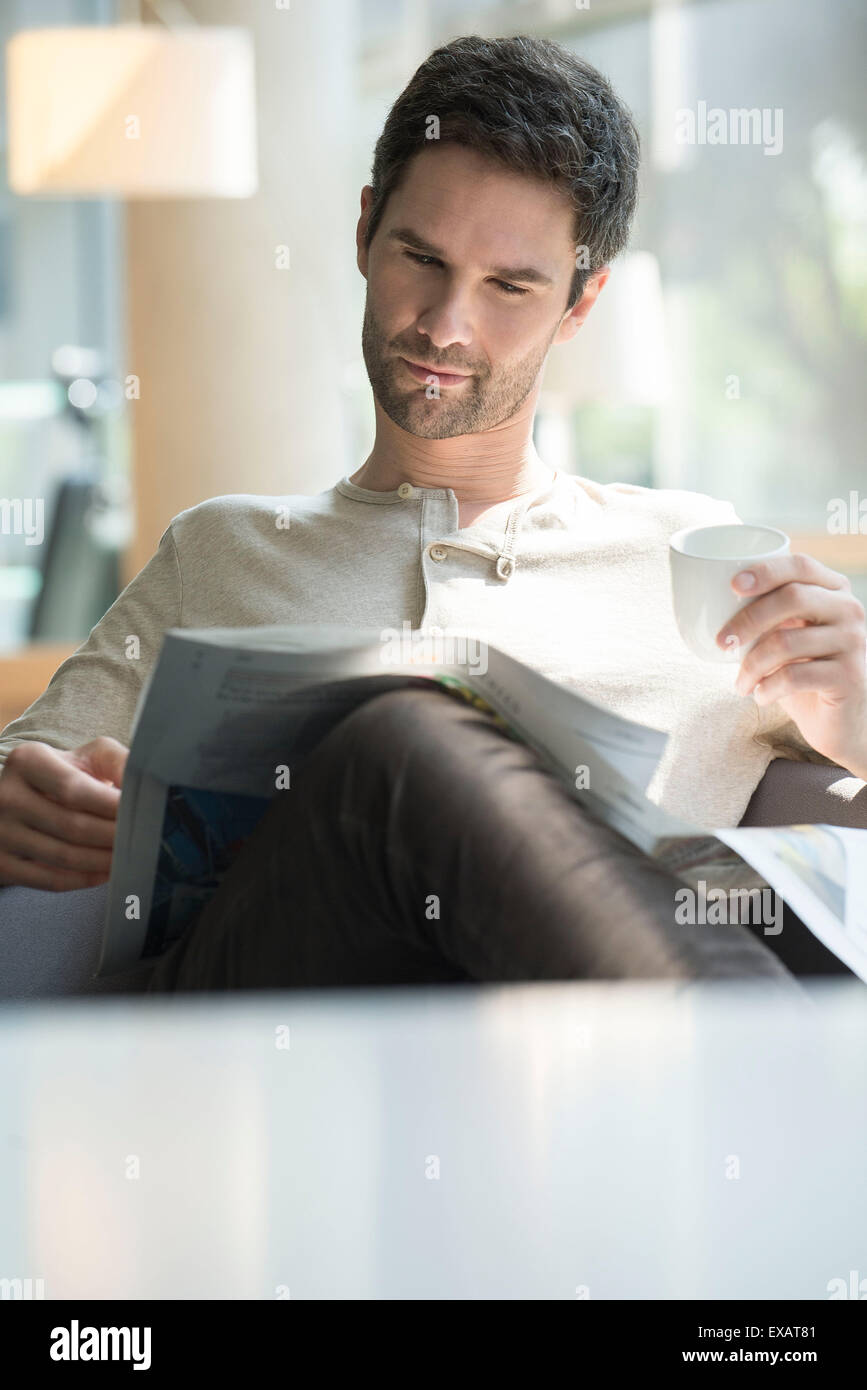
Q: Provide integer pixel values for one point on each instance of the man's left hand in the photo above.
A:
(810, 652)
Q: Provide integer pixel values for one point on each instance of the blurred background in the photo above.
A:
(175, 330)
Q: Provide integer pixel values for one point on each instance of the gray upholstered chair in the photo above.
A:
(49, 942)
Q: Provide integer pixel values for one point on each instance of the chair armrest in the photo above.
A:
(50, 945)
(793, 793)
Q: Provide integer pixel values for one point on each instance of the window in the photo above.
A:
(60, 287)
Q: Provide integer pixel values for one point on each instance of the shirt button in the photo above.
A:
(438, 553)
(406, 490)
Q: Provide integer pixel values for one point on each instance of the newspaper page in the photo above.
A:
(821, 872)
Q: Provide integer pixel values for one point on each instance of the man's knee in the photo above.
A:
(414, 731)
(414, 710)
(414, 746)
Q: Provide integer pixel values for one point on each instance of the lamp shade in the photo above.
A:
(132, 110)
(618, 356)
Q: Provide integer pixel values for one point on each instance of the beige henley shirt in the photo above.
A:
(575, 585)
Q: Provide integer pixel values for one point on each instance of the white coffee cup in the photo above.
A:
(704, 560)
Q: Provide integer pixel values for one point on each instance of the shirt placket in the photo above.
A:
(441, 553)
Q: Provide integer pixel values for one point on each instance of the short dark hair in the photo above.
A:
(539, 110)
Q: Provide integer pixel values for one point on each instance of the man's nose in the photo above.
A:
(448, 320)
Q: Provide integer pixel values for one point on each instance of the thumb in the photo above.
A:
(104, 758)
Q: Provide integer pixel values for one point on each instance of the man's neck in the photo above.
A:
(484, 470)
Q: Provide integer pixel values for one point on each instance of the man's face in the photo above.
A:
(468, 278)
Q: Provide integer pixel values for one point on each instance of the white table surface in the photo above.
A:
(585, 1137)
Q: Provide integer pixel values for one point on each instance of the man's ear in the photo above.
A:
(361, 229)
(573, 320)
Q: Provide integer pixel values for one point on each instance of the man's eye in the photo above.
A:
(511, 291)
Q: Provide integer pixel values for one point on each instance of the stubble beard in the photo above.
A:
(480, 404)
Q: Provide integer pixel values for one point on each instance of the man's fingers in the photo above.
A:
(32, 809)
(65, 783)
(25, 873)
(21, 840)
(57, 818)
(104, 758)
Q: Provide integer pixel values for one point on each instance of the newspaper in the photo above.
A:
(229, 715)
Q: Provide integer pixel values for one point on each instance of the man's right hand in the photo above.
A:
(57, 814)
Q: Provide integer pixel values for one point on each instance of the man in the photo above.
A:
(503, 185)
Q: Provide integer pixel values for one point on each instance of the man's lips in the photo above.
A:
(443, 378)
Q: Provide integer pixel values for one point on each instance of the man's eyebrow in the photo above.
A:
(527, 275)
